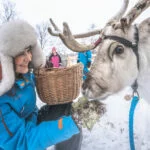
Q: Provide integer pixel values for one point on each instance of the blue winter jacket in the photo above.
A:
(18, 115)
(84, 58)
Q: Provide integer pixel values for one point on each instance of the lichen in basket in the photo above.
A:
(87, 113)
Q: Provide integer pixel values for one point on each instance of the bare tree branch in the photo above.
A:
(42, 33)
(8, 11)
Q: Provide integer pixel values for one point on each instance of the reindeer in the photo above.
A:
(123, 57)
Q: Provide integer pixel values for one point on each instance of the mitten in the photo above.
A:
(53, 112)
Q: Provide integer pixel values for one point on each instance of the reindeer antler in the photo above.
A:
(131, 16)
(136, 11)
(120, 12)
(69, 40)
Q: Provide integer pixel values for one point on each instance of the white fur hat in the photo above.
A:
(15, 37)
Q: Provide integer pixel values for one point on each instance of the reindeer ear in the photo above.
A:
(144, 30)
(121, 24)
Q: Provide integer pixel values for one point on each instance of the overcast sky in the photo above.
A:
(79, 14)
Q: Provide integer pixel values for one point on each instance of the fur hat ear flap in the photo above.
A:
(8, 75)
(38, 58)
(15, 37)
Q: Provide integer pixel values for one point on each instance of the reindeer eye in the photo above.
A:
(119, 50)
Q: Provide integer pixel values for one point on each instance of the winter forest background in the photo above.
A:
(8, 12)
(111, 132)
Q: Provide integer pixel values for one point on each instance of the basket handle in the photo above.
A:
(39, 69)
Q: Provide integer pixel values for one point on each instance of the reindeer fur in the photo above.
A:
(108, 76)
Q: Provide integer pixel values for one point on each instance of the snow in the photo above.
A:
(111, 132)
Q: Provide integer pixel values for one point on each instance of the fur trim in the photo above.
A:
(8, 76)
(15, 37)
(38, 57)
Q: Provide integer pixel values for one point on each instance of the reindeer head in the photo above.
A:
(117, 62)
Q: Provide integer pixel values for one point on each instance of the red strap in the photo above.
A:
(98, 42)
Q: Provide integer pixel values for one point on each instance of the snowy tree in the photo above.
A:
(43, 35)
(7, 11)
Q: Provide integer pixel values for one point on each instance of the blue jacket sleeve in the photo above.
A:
(26, 135)
(50, 133)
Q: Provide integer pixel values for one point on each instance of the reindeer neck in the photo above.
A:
(144, 71)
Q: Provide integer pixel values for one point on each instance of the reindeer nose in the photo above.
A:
(85, 83)
(84, 86)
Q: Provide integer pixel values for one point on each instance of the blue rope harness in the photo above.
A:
(134, 102)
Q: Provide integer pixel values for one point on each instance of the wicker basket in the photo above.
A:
(59, 86)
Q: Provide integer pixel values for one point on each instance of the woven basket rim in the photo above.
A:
(41, 71)
(48, 87)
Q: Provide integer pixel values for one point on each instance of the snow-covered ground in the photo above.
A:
(111, 132)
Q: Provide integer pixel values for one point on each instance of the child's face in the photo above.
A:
(54, 52)
(22, 62)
